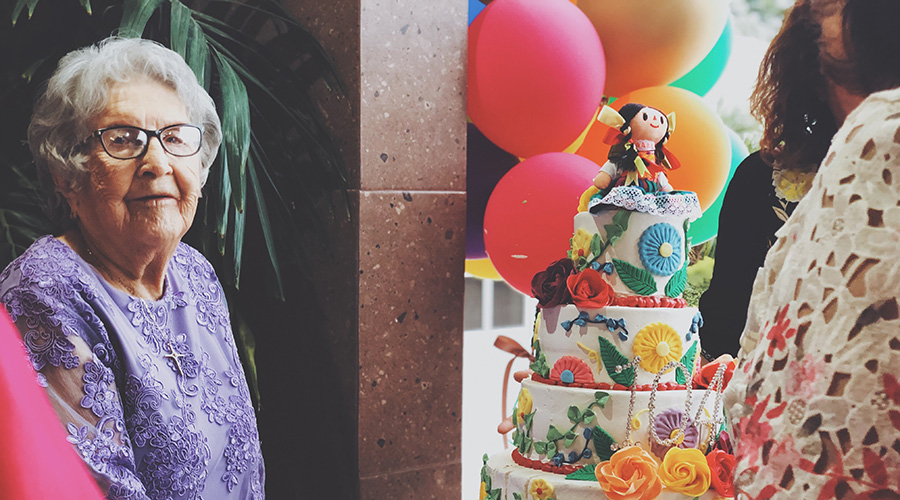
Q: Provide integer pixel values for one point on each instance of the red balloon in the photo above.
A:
(528, 219)
(535, 74)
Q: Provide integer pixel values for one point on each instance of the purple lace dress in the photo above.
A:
(152, 392)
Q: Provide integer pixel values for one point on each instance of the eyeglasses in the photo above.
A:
(125, 142)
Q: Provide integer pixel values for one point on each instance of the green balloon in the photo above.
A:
(704, 75)
(707, 226)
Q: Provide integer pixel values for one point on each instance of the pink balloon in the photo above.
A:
(535, 74)
(528, 219)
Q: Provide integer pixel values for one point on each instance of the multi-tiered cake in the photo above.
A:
(609, 410)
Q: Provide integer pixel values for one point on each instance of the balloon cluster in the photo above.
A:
(538, 72)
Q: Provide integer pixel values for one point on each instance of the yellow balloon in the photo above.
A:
(649, 43)
(580, 140)
(482, 268)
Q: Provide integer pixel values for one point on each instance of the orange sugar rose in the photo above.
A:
(630, 474)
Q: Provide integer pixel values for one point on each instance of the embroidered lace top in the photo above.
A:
(814, 404)
(151, 392)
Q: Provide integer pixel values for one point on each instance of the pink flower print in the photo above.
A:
(802, 374)
(752, 433)
(779, 333)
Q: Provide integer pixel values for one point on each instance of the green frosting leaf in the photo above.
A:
(574, 414)
(676, 284)
(587, 417)
(601, 398)
(551, 449)
(517, 496)
(528, 421)
(539, 365)
(585, 473)
(640, 281)
(596, 245)
(540, 447)
(494, 494)
(688, 361)
(603, 444)
(570, 438)
(613, 358)
(553, 434)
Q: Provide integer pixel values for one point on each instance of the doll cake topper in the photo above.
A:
(638, 158)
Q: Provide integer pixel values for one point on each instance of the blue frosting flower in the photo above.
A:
(661, 248)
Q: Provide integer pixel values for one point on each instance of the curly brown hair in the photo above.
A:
(870, 40)
(790, 95)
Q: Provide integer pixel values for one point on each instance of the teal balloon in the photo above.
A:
(704, 75)
(707, 226)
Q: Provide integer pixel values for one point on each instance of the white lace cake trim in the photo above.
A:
(679, 203)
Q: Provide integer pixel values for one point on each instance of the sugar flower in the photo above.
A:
(657, 344)
(667, 426)
(685, 471)
(630, 474)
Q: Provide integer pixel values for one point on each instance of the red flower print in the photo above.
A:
(779, 333)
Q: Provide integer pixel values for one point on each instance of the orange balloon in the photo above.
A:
(651, 42)
(482, 268)
(700, 142)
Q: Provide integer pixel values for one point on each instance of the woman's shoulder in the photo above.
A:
(190, 263)
(46, 262)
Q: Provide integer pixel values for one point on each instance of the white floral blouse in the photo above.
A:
(814, 405)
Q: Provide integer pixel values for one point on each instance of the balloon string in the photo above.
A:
(509, 345)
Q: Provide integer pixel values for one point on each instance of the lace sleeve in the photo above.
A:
(68, 346)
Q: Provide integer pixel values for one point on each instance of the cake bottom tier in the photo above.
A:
(514, 482)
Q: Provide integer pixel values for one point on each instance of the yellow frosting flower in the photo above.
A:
(685, 471)
(483, 493)
(523, 405)
(657, 344)
(540, 489)
(630, 474)
(581, 244)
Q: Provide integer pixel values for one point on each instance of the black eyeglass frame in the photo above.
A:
(150, 134)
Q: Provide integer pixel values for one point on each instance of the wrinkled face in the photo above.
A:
(148, 200)
(649, 125)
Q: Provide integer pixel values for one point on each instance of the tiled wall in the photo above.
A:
(402, 127)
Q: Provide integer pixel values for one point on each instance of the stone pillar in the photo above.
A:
(380, 417)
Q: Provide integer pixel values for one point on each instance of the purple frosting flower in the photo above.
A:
(667, 422)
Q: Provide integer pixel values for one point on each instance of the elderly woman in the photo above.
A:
(814, 404)
(127, 326)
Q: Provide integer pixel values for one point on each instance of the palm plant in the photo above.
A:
(259, 65)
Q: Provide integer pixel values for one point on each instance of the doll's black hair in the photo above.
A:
(623, 159)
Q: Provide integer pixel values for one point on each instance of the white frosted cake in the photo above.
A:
(610, 409)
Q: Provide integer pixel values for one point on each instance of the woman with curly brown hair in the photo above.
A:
(814, 403)
(791, 101)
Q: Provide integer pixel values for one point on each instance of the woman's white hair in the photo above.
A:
(78, 90)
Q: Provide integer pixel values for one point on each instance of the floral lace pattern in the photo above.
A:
(675, 203)
(814, 402)
(171, 413)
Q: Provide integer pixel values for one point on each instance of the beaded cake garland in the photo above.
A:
(679, 433)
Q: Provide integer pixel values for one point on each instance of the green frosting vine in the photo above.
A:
(492, 494)
(577, 416)
(614, 231)
(539, 365)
